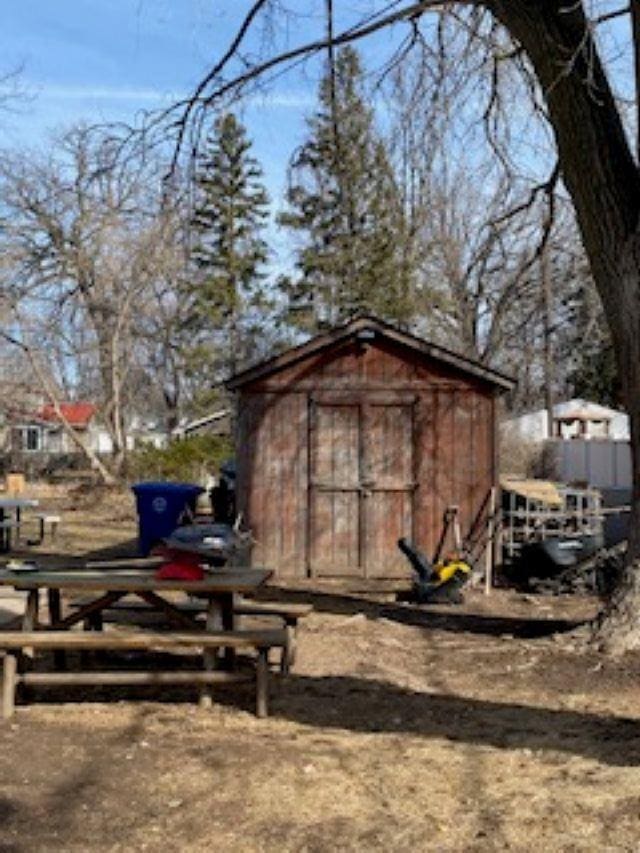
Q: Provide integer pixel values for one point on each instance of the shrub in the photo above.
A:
(519, 456)
(189, 460)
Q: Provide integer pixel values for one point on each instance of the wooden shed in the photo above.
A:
(356, 438)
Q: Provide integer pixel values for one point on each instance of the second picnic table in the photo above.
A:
(17, 505)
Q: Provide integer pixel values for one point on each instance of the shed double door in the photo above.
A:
(362, 485)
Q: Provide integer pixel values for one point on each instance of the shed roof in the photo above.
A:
(367, 323)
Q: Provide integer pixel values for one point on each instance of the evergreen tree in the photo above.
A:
(593, 373)
(586, 361)
(228, 291)
(344, 200)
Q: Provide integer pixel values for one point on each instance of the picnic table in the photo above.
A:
(109, 586)
(218, 588)
(6, 524)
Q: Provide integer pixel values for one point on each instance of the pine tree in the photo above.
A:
(228, 288)
(344, 201)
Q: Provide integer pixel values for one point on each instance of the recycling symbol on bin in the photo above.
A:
(159, 504)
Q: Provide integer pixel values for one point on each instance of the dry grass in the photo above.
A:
(402, 728)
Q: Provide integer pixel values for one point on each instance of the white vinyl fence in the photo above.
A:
(600, 464)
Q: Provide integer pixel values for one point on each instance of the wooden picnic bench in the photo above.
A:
(44, 519)
(15, 643)
(287, 613)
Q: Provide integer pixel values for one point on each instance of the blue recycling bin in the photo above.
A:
(160, 509)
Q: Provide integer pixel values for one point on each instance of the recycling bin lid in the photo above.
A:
(164, 487)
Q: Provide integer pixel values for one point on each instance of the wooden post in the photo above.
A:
(9, 669)
(55, 608)
(488, 554)
(228, 624)
(262, 683)
(289, 651)
(209, 657)
(498, 536)
(30, 619)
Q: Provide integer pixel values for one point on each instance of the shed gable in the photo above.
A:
(370, 351)
(381, 364)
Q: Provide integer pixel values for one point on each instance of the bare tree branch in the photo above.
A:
(201, 99)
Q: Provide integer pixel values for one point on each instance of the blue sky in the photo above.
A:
(104, 60)
(110, 60)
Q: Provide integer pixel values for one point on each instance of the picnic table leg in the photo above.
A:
(30, 618)
(262, 683)
(55, 615)
(9, 669)
(214, 623)
(228, 624)
(55, 610)
(4, 533)
(29, 623)
(289, 651)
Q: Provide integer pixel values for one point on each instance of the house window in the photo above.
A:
(598, 429)
(31, 438)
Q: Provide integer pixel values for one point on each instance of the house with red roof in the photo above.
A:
(42, 432)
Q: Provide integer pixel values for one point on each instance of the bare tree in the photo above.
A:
(82, 241)
(164, 339)
(12, 91)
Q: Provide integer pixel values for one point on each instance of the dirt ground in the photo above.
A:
(478, 727)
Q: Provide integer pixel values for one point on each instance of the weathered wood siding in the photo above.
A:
(313, 435)
(272, 475)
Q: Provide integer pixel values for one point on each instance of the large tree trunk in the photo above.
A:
(602, 177)
(618, 628)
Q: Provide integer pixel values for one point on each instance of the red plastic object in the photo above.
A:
(184, 570)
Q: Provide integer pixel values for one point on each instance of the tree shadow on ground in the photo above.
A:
(372, 706)
(364, 704)
(61, 814)
(433, 618)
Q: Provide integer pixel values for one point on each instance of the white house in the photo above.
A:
(215, 423)
(42, 431)
(579, 419)
(146, 432)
